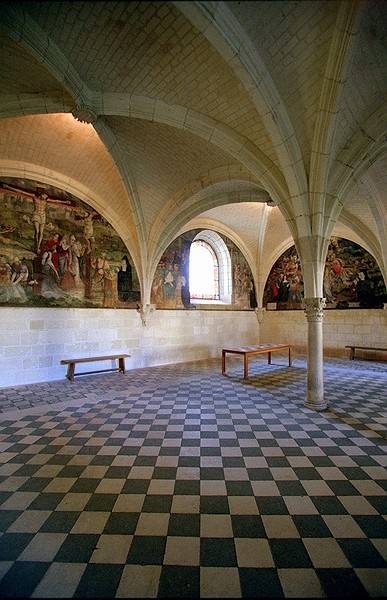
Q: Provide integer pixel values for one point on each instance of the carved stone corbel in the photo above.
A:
(145, 312)
(260, 313)
(84, 114)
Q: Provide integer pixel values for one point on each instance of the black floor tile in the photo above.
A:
(179, 582)
(99, 581)
(147, 550)
(22, 578)
(260, 583)
(217, 552)
(290, 554)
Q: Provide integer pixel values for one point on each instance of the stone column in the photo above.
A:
(313, 308)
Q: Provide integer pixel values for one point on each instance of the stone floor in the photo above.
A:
(177, 481)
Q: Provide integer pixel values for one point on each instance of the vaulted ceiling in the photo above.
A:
(256, 119)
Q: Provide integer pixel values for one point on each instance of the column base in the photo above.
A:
(315, 406)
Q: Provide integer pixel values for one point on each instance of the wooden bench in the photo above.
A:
(71, 362)
(353, 348)
(250, 350)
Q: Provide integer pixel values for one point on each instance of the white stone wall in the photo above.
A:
(34, 340)
(340, 328)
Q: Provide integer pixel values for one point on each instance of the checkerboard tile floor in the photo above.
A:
(179, 482)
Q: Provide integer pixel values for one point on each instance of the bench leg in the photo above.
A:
(290, 357)
(70, 371)
(269, 358)
(351, 353)
(121, 365)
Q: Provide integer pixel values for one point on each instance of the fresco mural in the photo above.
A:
(170, 288)
(352, 279)
(57, 251)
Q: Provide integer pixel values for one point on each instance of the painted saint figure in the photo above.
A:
(50, 282)
(124, 280)
(40, 199)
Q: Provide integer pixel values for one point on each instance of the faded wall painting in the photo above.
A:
(170, 288)
(352, 279)
(57, 251)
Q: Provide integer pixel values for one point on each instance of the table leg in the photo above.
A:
(290, 356)
(269, 358)
(246, 366)
(223, 362)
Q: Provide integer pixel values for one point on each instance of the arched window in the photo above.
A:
(210, 269)
(203, 272)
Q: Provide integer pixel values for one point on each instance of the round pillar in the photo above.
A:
(314, 311)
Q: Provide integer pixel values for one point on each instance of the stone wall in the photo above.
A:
(33, 341)
(365, 327)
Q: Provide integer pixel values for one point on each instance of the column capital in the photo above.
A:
(314, 309)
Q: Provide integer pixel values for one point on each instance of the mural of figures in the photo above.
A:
(56, 251)
(124, 280)
(352, 279)
(40, 199)
(241, 277)
(50, 282)
(170, 287)
(13, 281)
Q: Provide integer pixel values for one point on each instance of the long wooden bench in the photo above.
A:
(355, 347)
(71, 362)
(247, 351)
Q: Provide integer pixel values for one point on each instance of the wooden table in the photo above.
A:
(247, 351)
